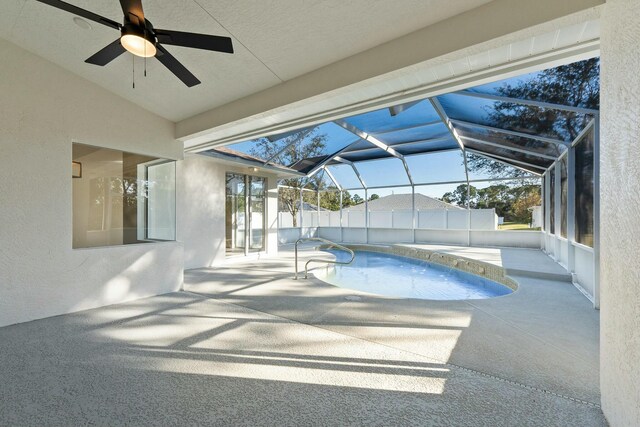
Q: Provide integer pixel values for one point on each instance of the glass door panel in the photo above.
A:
(235, 214)
(256, 214)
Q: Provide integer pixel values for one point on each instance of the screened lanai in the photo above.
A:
(539, 128)
(511, 122)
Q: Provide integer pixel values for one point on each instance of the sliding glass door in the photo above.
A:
(245, 214)
(256, 214)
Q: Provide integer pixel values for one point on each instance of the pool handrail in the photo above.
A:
(325, 241)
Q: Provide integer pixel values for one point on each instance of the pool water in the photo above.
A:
(396, 276)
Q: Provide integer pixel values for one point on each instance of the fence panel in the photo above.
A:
(433, 219)
(403, 219)
(355, 219)
(381, 219)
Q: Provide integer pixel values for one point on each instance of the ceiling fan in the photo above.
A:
(138, 36)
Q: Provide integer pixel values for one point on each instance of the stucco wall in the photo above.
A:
(620, 214)
(44, 108)
(201, 209)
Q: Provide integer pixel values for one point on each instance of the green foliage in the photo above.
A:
(510, 201)
(330, 200)
(374, 197)
(459, 196)
(357, 199)
(575, 84)
(299, 145)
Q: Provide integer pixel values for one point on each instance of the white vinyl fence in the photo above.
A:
(432, 226)
(440, 219)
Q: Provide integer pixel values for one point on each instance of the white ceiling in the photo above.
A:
(274, 40)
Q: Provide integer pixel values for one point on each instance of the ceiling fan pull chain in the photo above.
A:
(145, 54)
(133, 70)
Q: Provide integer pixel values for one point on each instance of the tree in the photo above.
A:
(510, 202)
(299, 145)
(357, 199)
(459, 196)
(525, 197)
(331, 200)
(374, 197)
(496, 197)
(575, 84)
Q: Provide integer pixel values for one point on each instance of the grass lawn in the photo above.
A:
(516, 226)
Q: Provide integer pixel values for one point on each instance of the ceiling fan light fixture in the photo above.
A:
(137, 42)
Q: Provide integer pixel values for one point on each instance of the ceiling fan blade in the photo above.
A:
(133, 7)
(197, 41)
(176, 67)
(106, 55)
(82, 13)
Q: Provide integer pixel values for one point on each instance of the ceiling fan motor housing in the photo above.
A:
(133, 38)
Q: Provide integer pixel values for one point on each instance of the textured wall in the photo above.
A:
(201, 209)
(43, 110)
(620, 213)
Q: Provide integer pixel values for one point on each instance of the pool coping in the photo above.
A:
(477, 268)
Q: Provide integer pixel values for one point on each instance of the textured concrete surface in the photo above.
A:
(247, 345)
(525, 262)
(620, 212)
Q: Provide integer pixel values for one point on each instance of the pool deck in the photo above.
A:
(245, 344)
(516, 261)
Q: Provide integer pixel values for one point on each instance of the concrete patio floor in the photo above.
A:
(247, 345)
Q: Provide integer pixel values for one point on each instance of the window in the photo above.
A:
(245, 199)
(121, 198)
(584, 189)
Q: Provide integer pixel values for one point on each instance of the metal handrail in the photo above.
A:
(328, 242)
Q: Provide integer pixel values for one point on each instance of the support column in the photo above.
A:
(413, 212)
(547, 211)
(617, 234)
(596, 213)
(366, 214)
(318, 208)
(571, 209)
(341, 223)
(466, 173)
(301, 210)
(557, 211)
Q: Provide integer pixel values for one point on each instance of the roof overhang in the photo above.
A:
(252, 165)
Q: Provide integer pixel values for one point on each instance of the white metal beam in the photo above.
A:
(320, 165)
(511, 132)
(530, 102)
(283, 149)
(478, 153)
(375, 141)
(367, 137)
(403, 144)
(507, 147)
(426, 184)
(583, 132)
(425, 124)
(447, 121)
(508, 161)
(330, 175)
(355, 170)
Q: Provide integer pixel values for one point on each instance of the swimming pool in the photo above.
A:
(396, 276)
